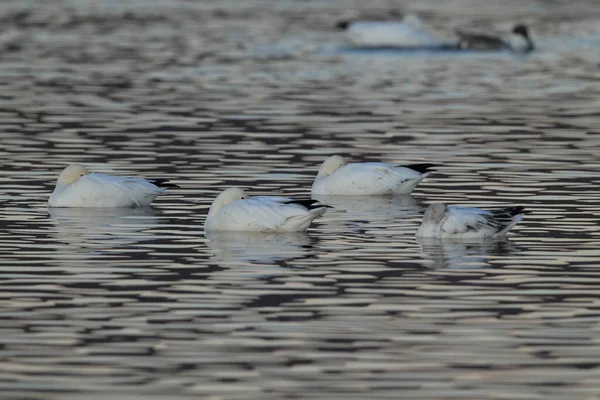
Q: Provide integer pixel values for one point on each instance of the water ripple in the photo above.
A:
(142, 304)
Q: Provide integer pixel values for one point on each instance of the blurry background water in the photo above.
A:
(140, 304)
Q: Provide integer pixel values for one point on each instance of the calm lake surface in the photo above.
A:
(140, 304)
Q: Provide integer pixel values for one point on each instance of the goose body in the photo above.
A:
(232, 210)
(519, 41)
(441, 221)
(337, 177)
(408, 32)
(76, 187)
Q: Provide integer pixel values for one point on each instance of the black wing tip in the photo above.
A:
(516, 210)
(421, 168)
(343, 24)
(163, 183)
(310, 204)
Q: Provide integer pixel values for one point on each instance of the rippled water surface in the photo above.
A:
(125, 304)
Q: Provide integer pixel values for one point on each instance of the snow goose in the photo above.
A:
(519, 41)
(76, 187)
(408, 32)
(441, 221)
(232, 210)
(337, 177)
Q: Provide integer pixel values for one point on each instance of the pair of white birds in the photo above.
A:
(233, 210)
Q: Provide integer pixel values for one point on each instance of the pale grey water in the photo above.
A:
(140, 304)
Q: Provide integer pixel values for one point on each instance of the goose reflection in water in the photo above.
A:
(98, 229)
(465, 253)
(374, 211)
(234, 248)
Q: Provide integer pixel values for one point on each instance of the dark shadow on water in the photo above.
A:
(440, 47)
(443, 49)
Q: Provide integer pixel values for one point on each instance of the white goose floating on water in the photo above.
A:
(232, 210)
(337, 177)
(441, 221)
(76, 187)
(407, 32)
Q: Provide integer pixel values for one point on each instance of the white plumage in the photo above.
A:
(337, 177)
(441, 221)
(408, 32)
(232, 210)
(76, 187)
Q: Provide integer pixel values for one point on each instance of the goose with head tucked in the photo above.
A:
(77, 187)
(441, 221)
(233, 210)
(338, 177)
(519, 41)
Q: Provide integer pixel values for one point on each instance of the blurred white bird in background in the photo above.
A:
(405, 33)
